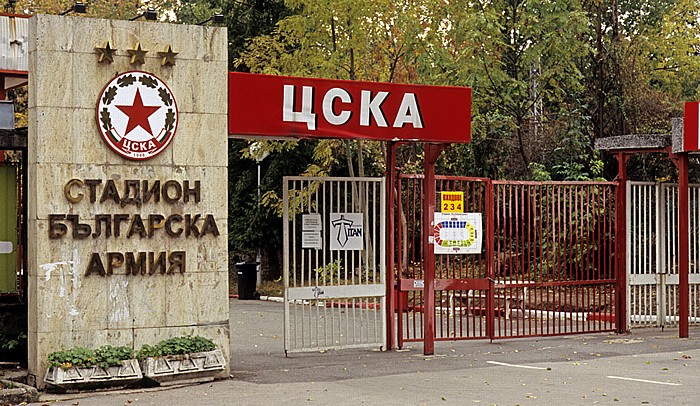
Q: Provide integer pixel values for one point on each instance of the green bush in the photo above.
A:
(105, 356)
(176, 346)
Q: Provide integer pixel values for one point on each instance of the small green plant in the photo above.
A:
(9, 343)
(330, 272)
(176, 346)
(105, 356)
(108, 356)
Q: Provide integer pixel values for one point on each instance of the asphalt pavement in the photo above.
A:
(647, 367)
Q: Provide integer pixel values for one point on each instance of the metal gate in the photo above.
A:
(334, 263)
(546, 266)
(652, 254)
(554, 255)
(461, 281)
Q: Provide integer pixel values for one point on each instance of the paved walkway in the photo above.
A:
(647, 367)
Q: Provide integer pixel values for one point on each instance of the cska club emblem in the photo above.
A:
(137, 115)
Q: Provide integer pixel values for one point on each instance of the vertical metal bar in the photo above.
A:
(620, 246)
(391, 232)
(651, 266)
(384, 268)
(285, 263)
(631, 218)
(683, 245)
(432, 152)
(399, 260)
(490, 233)
(661, 267)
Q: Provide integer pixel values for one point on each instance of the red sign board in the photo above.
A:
(691, 127)
(291, 107)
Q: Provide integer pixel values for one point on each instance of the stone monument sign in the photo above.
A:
(127, 184)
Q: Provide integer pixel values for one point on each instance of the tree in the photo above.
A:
(519, 57)
(354, 40)
(119, 10)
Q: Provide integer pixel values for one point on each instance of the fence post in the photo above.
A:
(621, 243)
(683, 246)
(661, 268)
(390, 243)
(432, 153)
(490, 233)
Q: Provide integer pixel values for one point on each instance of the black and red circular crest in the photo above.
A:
(137, 115)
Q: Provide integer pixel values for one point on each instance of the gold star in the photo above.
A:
(138, 55)
(106, 53)
(168, 56)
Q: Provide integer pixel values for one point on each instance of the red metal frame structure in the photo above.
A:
(291, 107)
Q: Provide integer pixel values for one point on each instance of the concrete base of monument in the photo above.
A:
(183, 369)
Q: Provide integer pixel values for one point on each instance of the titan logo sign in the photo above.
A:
(336, 111)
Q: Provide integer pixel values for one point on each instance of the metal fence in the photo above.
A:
(334, 270)
(652, 254)
(546, 266)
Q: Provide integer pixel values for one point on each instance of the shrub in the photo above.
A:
(105, 356)
(176, 346)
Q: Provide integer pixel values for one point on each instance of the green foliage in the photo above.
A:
(9, 343)
(253, 225)
(334, 273)
(539, 172)
(176, 346)
(105, 356)
(330, 272)
(119, 10)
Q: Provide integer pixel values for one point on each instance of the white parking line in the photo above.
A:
(513, 365)
(644, 380)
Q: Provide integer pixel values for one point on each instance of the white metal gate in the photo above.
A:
(652, 254)
(334, 263)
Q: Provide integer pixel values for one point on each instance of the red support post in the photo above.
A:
(390, 243)
(683, 246)
(432, 153)
(621, 243)
(489, 234)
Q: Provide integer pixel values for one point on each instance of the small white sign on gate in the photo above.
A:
(311, 226)
(6, 247)
(347, 231)
(311, 222)
(311, 240)
(457, 233)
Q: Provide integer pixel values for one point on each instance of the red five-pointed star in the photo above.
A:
(138, 114)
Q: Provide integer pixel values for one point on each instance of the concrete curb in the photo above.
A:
(272, 299)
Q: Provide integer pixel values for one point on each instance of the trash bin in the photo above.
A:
(247, 278)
